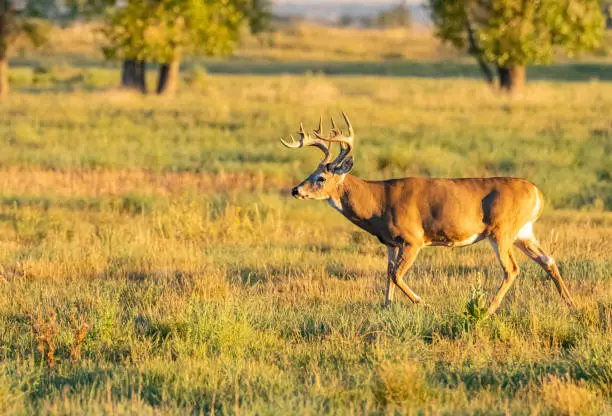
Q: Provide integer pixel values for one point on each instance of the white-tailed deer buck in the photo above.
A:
(411, 213)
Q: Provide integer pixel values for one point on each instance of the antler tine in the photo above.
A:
(334, 128)
(293, 145)
(325, 143)
(348, 124)
(319, 131)
(346, 142)
(306, 140)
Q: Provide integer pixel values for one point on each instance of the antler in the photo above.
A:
(324, 143)
(337, 135)
(306, 140)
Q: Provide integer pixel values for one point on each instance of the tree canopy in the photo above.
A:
(162, 31)
(512, 34)
(158, 30)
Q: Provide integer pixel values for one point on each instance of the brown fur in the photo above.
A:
(422, 211)
(411, 213)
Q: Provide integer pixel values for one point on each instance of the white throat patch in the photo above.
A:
(335, 203)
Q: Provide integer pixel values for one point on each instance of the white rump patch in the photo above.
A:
(335, 203)
(526, 233)
(538, 204)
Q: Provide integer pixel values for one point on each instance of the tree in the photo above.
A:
(257, 13)
(124, 30)
(133, 70)
(511, 34)
(163, 31)
(19, 20)
(397, 16)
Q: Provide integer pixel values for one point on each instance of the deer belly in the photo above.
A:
(455, 242)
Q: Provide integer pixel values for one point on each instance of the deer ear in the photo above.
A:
(345, 167)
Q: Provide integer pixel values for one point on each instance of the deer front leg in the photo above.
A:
(404, 259)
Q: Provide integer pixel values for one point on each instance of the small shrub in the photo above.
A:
(476, 307)
(46, 332)
(79, 336)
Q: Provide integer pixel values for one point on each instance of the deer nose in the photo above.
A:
(295, 193)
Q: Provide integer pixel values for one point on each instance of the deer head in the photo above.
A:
(324, 181)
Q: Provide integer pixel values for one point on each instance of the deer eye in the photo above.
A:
(321, 179)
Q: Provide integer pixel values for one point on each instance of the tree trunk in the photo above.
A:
(168, 78)
(4, 82)
(141, 76)
(127, 73)
(511, 79)
(476, 51)
(133, 75)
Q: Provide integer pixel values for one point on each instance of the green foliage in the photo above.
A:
(476, 307)
(515, 33)
(257, 12)
(162, 30)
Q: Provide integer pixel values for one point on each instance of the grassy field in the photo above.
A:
(152, 245)
(73, 55)
(151, 260)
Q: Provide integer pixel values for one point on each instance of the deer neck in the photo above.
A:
(357, 199)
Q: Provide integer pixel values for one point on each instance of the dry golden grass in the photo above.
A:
(562, 396)
(280, 302)
(168, 271)
(108, 183)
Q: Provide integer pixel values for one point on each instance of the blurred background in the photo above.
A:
(377, 37)
(153, 262)
(437, 88)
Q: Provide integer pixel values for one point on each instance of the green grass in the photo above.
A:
(259, 304)
(165, 226)
(558, 135)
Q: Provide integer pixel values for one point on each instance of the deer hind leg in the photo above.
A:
(392, 253)
(532, 249)
(403, 261)
(511, 270)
